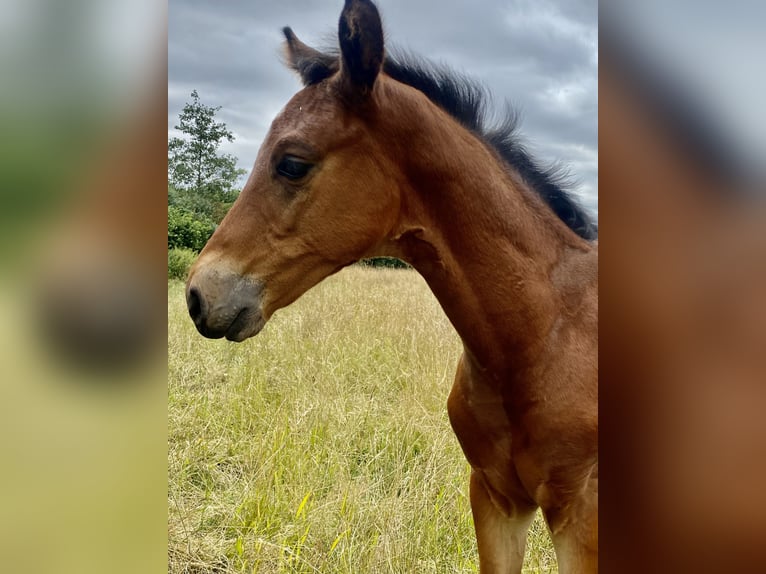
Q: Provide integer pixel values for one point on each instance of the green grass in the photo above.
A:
(322, 444)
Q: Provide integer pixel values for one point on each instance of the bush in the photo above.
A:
(185, 231)
(179, 262)
(389, 262)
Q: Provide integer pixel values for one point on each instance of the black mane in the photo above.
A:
(466, 101)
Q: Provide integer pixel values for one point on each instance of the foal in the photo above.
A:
(379, 158)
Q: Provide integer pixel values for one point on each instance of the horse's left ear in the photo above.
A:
(312, 66)
(360, 32)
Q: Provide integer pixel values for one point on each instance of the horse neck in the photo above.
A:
(485, 244)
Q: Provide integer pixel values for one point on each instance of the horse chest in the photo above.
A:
(484, 432)
(481, 428)
(480, 422)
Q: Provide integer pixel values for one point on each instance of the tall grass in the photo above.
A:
(323, 444)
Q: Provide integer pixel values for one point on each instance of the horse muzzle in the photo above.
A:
(225, 304)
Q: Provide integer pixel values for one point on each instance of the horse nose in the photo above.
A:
(195, 303)
(224, 304)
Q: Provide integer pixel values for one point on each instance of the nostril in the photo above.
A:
(194, 302)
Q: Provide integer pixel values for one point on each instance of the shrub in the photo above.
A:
(185, 231)
(388, 262)
(179, 262)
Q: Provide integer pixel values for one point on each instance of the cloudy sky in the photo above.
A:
(539, 55)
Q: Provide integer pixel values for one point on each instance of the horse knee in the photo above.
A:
(574, 531)
(501, 527)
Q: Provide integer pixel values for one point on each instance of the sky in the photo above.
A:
(541, 56)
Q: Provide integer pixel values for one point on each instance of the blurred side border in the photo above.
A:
(682, 288)
(83, 144)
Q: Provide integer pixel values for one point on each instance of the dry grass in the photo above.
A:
(323, 444)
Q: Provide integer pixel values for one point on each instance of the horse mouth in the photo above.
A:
(248, 323)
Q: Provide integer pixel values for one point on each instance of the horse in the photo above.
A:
(384, 156)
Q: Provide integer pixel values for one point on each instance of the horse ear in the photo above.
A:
(312, 65)
(360, 32)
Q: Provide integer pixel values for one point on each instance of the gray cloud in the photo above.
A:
(541, 56)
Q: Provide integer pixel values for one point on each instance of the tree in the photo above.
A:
(201, 179)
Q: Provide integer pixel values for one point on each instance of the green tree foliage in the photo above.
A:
(194, 162)
(201, 180)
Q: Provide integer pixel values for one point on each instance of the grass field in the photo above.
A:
(322, 444)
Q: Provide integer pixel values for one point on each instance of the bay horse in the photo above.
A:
(378, 156)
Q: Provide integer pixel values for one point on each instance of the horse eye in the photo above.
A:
(293, 168)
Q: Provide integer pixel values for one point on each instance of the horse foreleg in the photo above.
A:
(501, 537)
(574, 530)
